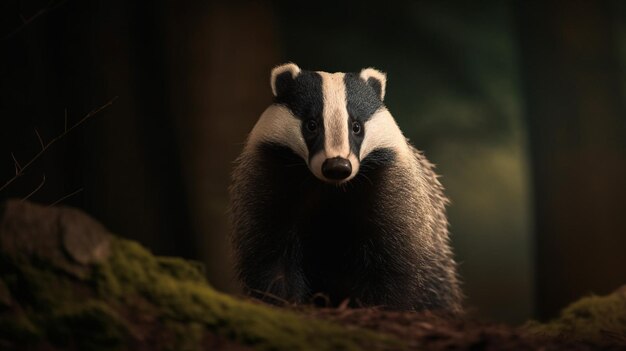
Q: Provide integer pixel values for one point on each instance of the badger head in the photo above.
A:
(333, 121)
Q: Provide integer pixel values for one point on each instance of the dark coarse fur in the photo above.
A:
(379, 240)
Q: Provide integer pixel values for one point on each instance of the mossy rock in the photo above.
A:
(91, 325)
(118, 296)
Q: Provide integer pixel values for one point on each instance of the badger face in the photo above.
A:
(331, 120)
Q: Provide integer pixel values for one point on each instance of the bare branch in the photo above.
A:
(57, 138)
(26, 21)
(89, 115)
(43, 181)
(66, 197)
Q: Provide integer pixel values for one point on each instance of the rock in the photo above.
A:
(65, 237)
(84, 239)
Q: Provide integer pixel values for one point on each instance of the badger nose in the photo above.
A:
(336, 168)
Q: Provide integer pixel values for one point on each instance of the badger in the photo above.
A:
(328, 198)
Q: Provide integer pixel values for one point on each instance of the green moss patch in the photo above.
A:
(132, 297)
(90, 325)
(599, 320)
(179, 294)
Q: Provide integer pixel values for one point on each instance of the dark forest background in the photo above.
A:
(521, 104)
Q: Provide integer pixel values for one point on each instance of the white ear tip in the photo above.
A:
(370, 72)
(278, 70)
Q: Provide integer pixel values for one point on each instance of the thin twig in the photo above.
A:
(18, 168)
(45, 147)
(272, 296)
(26, 21)
(43, 181)
(66, 196)
(39, 137)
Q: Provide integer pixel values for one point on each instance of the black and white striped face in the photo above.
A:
(331, 120)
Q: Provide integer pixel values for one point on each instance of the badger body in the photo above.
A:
(328, 197)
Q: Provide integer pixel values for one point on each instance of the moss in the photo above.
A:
(49, 305)
(179, 295)
(172, 298)
(593, 319)
(182, 269)
(43, 288)
(91, 325)
(35, 284)
(185, 336)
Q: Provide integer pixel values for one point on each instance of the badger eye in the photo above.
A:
(311, 125)
(356, 127)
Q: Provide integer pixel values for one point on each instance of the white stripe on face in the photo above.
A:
(335, 114)
(336, 132)
(382, 131)
(278, 124)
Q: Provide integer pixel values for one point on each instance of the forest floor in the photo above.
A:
(429, 331)
(66, 283)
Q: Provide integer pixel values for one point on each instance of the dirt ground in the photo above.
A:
(429, 331)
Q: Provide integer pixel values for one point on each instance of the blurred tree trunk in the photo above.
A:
(192, 78)
(220, 57)
(577, 132)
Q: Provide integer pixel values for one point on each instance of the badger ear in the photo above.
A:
(283, 76)
(376, 79)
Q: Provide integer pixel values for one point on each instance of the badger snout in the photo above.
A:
(334, 169)
(337, 168)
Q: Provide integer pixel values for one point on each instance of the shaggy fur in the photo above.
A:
(379, 239)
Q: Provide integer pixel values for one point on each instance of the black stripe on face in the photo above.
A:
(362, 102)
(378, 159)
(304, 97)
